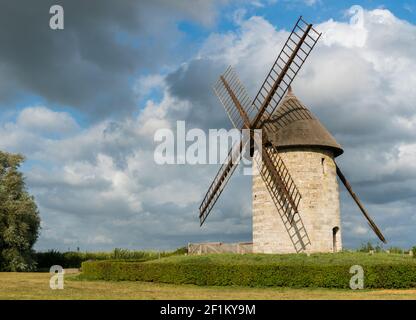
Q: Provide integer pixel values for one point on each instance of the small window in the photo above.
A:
(323, 165)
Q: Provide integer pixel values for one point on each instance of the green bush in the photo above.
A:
(215, 272)
(52, 257)
(367, 247)
(396, 250)
(74, 259)
(414, 251)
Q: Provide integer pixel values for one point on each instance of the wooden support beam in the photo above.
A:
(360, 205)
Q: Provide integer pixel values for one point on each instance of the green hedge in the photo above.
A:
(263, 275)
(72, 259)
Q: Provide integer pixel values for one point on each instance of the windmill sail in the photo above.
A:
(235, 99)
(261, 114)
(273, 171)
(236, 102)
(254, 115)
(296, 50)
(360, 205)
(220, 181)
(284, 194)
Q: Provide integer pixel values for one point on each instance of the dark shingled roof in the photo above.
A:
(297, 126)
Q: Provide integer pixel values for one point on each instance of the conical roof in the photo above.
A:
(295, 125)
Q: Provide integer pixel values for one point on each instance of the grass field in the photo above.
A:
(36, 286)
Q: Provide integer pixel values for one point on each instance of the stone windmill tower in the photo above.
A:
(308, 151)
(295, 196)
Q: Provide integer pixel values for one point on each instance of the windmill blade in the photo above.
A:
(360, 205)
(279, 176)
(284, 194)
(220, 180)
(280, 185)
(238, 105)
(235, 99)
(296, 50)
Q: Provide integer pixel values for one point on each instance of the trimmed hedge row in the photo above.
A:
(262, 275)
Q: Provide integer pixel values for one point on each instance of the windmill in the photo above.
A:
(295, 196)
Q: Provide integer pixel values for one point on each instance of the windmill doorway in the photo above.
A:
(334, 239)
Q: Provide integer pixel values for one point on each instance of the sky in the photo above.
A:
(82, 104)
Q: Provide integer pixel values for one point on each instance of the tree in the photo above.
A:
(19, 217)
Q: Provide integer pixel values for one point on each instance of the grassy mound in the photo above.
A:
(381, 270)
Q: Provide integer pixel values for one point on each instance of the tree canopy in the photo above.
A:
(19, 217)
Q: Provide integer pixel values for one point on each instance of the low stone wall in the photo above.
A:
(219, 247)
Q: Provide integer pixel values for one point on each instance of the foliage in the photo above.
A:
(396, 250)
(367, 247)
(74, 259)
(19, 217)
(414, 251)
(321, 270)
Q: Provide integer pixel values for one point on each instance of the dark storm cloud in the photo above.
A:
(90, 64)
(193, 82)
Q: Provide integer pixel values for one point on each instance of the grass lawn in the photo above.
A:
(36, 286)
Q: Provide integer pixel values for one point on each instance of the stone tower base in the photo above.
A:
(314, 173)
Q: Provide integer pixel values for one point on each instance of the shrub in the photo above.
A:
(215, 272)
(74, 259)
(414, 251)
(133, 255)
(180, 251)
(367, 247)
(396, 250)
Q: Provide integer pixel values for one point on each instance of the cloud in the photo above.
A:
(102, 183)
(89, 65)
(257, 4)
(43, 120)
(311, 2)
(98, 186)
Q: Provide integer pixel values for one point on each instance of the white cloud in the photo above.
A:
(145, 84)
(311, 2)
(43, 120)
(257, 4)
(101, 183)
(360, 230)
(238, 15)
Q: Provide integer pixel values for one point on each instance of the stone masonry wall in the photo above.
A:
(314, 173)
